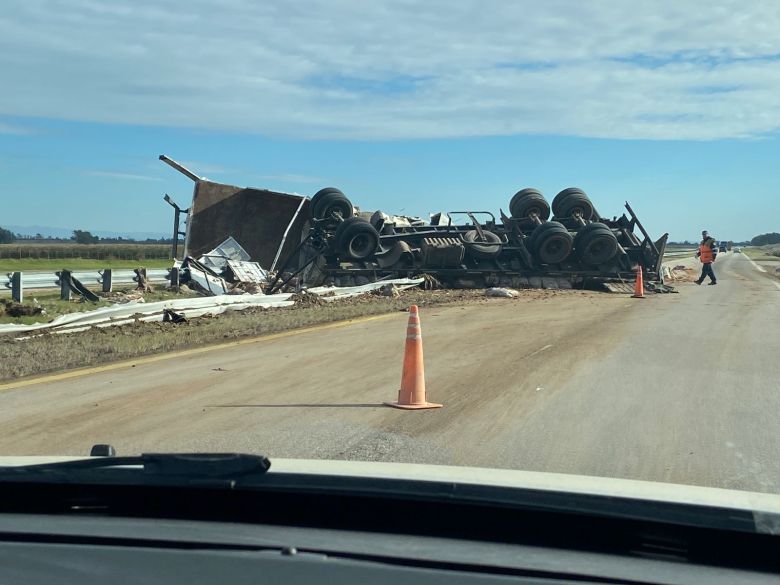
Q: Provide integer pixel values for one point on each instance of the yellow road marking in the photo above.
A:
(185, 352)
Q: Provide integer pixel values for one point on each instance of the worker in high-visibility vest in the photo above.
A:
(708, 250)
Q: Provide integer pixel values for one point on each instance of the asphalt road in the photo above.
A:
(679, 388)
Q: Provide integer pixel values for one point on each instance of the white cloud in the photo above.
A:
(18, 130)
(400, 69)
(128, 176)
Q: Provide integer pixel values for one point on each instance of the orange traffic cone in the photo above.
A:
(639, 287)
(412, 393)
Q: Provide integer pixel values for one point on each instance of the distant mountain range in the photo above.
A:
(56, 232)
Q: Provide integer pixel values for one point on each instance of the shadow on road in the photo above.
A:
(295, 405)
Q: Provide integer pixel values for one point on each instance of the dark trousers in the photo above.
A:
(706, 270)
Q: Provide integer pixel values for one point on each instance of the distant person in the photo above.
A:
(708, 250)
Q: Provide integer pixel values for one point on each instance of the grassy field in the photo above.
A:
(70, 256)
(771, 253)
(128, 251)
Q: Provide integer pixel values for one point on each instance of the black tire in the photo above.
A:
(356, 239)
(330, 203)
(552, 243)
(490, 248)
(572, 200)
(595, 244)
(528, 202)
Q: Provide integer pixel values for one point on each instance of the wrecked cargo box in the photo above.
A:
(268, 223)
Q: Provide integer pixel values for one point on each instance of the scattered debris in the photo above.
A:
(307, 299)
(248, 288)
(227, 269)
(502, 292)
(204, 278)
(218, 258)
(143, 282)
(123, 297)
(130, 313)
(248, 272)
(679, 273)
(13, 309)
(430, 282)
(351, 291)
(387, 290)
(658, 287)
(170, 316)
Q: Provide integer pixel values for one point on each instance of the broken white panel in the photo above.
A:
(508, 293)
(444, 219)
(191, 307)
(334, 292)
(248, 271)
(230, 249)
(128, 312)
(213, 284)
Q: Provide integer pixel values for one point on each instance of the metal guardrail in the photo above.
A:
(18, 281)
(679, 253)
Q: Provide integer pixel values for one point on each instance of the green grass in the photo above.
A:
(17, 265)
(44, 256)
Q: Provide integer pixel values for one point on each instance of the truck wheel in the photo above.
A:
(356, 239)
(490, 248)
(330, 202)
(552, 243)
(595, 244)
(528, 202)
(572, 200)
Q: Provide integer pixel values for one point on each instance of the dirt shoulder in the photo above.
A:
(51, 353)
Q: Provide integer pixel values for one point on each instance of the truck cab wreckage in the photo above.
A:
(326, 240)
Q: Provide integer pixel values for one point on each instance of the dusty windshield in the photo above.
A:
(537, 236)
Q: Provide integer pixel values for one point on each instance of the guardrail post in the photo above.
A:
(106, 279)
(173, 276)
(65, 291)
(17, 293)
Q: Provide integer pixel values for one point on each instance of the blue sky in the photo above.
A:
(408, 107)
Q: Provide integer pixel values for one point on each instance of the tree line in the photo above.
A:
(79, 236)
(766, 239)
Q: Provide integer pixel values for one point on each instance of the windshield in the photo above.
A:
(527, 236)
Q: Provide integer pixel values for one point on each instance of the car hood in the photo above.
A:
(506, 478)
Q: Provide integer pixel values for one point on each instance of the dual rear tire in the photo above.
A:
(595, 244)
(330, 203)
(573, 201)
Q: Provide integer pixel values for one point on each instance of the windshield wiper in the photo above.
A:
(148, 467)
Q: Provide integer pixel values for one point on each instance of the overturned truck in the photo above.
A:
(326, 239)
(576, 247)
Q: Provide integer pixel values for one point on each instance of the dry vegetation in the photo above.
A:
(767, 253)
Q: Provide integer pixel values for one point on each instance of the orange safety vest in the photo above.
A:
(705, 254)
